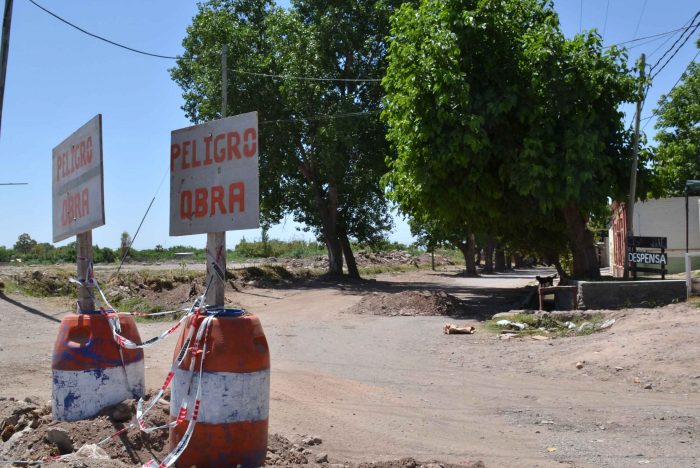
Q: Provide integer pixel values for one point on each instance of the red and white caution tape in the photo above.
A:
(140, 413)
(172, 457)
(113, 318)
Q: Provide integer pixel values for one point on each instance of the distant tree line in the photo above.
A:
(30, 251)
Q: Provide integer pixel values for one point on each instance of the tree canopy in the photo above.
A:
(322, 142)
(501, 123)
(677, 156)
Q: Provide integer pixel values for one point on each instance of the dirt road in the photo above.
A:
(378, 387)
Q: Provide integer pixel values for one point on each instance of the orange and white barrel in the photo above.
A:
(232, 418)
(89, 370)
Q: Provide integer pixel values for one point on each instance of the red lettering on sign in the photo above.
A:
(75, 206)
(195, 162)
(217, 199)
(219, 151)
(212, 201)
(186, 205)
(200, 202)
(233, 147)
(89, 149)
(207, 150)
(174, 154)
(250, 142)
(185, 146)
(236, 194)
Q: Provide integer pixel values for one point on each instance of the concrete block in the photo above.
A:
(625, 294)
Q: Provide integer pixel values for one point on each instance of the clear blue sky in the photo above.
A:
(58, 78)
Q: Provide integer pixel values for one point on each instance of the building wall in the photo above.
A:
(665, 217)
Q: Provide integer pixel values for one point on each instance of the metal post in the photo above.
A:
(688, 276)
(633, 170)
(84, 260)
(4, 50)
(686, 219)
(216, 241)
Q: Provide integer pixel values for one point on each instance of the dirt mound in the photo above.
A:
(37, 436)
(45, 283)
(29, 435)
(366, 259)
(409, 303)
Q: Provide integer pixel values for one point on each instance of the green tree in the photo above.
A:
(124, 242)
(323, 171)
(24, 244)
(5, 254)
(500, 123)
(677, 156)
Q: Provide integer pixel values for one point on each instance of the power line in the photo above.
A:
(673, 54)
(172, 57)
(656, 111)
(322, 117)
(605, 23)
(692, 25)
(150, 54)
(650, 37)
(641, 15)
(661, 45)
(580, 18)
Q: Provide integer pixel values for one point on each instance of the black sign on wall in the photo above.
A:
(657, 255)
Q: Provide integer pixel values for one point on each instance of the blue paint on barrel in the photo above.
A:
(90, 371)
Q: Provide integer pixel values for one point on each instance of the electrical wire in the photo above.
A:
(650, 37)
(322, 117)
(692, 25)
(109, 41)
(128, 248)
(641, 15)
(672, 55)
(580, 18)
(605, 23)
(172, 57)
(649, 55)
(656, 111)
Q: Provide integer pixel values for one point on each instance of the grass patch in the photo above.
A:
(548, 324)
(374, 270)
(53, 283)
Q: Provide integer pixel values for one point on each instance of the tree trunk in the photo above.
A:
(467, 249)
(583, 248)
(328, 210)
(519, 261)
(488, 256)
(500, 259)
(552, 258)
(335, 254)
(353, 272)
(563, 277)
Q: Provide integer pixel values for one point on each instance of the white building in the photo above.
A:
(663, 217)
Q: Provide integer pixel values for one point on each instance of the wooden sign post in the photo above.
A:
(78, 196)
(214, 186)
(216, 241)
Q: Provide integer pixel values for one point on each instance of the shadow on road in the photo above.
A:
(31, 310)
(478, 301)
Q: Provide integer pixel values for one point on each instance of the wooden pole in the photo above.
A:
(4, 50)
(216, 241)
(633, 170)
(84, 260)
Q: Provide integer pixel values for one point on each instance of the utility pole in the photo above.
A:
(4, 50)
(216, 241)
(633, 171)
